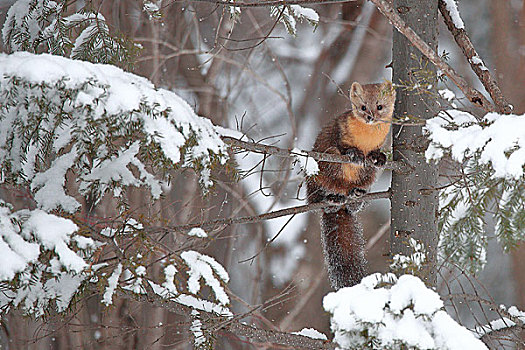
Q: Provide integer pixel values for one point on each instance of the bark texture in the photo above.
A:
(414, 203)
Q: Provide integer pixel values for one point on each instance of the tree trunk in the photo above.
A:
(414, 203)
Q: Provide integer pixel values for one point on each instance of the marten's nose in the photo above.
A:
(369, 117)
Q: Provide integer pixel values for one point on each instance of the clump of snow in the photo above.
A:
(196, 329)
(107, 298)
(498, 139)
(288, 16)
(206, 268)
(502, 322)
(306, 13)
(197, 232)
(477, 61)
(452, 8)
(311, 333)
(169, 272)
(449, 96)
(308, 165)
(53, 233)
(395, 314)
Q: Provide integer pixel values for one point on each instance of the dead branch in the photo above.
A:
(221, 223)
(281, 152)
(272, 2)
(484, 75)
(231, 325)
(474, 96)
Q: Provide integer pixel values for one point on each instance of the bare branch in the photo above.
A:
(272, 2)
(266, 216)
(281, 152)
(463, 41)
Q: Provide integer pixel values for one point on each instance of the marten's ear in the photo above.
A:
(356, 90)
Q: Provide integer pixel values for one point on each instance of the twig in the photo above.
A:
(266, 216)
(484, 75)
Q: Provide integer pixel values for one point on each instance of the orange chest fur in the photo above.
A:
(366, 137)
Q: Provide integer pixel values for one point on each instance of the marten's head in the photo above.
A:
(373, 103)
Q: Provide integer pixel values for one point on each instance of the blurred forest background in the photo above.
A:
(255, 77)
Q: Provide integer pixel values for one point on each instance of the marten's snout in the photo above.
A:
(369, 117)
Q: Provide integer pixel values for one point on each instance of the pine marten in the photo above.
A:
(358, 133)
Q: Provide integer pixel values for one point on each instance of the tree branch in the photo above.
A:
(232, 325)
(266, 216)
(324, 157)
(474, 96)
(484, 75)
(272, 2)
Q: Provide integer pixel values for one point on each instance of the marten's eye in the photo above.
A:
(380, 107)
(363, 108)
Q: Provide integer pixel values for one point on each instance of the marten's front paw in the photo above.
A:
(377, 158)
(335, 198)
(356, 155)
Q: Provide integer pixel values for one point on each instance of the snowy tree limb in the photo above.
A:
(474, 96)
(484, 75)
(217, 323)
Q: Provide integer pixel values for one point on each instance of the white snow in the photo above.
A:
(107, 298)
(447, 94)
(306, 13)
(15, 251)
(105, 95)
(501, 143)
(452, 7)
(169, 272)
(477, 61)
(54, 233)
(197, 232)
(308, 165)
(394, 313)
(203, 267)
(311, 333)
(49, 185)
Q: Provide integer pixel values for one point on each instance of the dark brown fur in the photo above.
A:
(359, 134)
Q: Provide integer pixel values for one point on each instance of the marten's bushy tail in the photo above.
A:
(343, 247)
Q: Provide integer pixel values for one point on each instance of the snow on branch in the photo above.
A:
(107, 126)
(491, 156)
(36, 25)
(29, 237)
(389, 313)
(499, 140)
